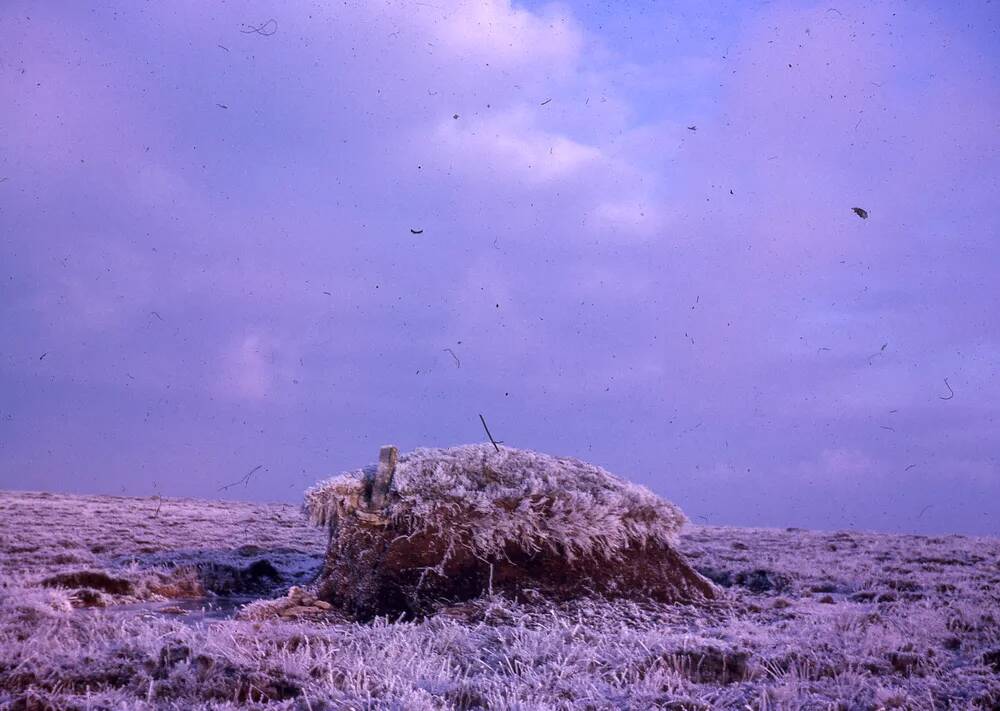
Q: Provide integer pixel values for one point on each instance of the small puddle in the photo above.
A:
(191, 611)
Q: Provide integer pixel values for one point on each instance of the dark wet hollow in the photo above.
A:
(190, 611)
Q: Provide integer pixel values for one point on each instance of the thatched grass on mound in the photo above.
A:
(444, 525)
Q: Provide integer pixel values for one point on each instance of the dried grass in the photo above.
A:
(937, 645)
(473, 496)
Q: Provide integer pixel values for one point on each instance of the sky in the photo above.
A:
(270, 237)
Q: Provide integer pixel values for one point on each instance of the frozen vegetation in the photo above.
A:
(533, 500)
(456, 523)
(100, 600)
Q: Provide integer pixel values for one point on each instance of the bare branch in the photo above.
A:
(488, 433)
(244, 480)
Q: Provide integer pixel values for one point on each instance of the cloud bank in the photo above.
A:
(224, 248)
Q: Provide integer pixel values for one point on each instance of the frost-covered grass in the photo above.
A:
(809, 620)
(488, 499)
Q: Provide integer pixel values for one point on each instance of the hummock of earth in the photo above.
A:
(440, 526)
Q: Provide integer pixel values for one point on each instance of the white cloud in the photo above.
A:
(513, 145)
(838, 465)
(631, 215)
(248, 368)
(496, 32)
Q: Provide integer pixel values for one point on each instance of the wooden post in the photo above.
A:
(383, 476)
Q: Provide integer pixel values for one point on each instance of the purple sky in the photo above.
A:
(206, 257)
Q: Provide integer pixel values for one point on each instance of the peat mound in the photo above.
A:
(434, 527)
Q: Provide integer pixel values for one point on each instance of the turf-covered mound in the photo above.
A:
(438, 526)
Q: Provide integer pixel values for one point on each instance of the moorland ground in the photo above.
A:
(114, 602)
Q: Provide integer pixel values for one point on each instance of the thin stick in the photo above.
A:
(244, 481)
(951, 393)
(488, 433)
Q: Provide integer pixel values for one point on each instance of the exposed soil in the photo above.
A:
(371, 572)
